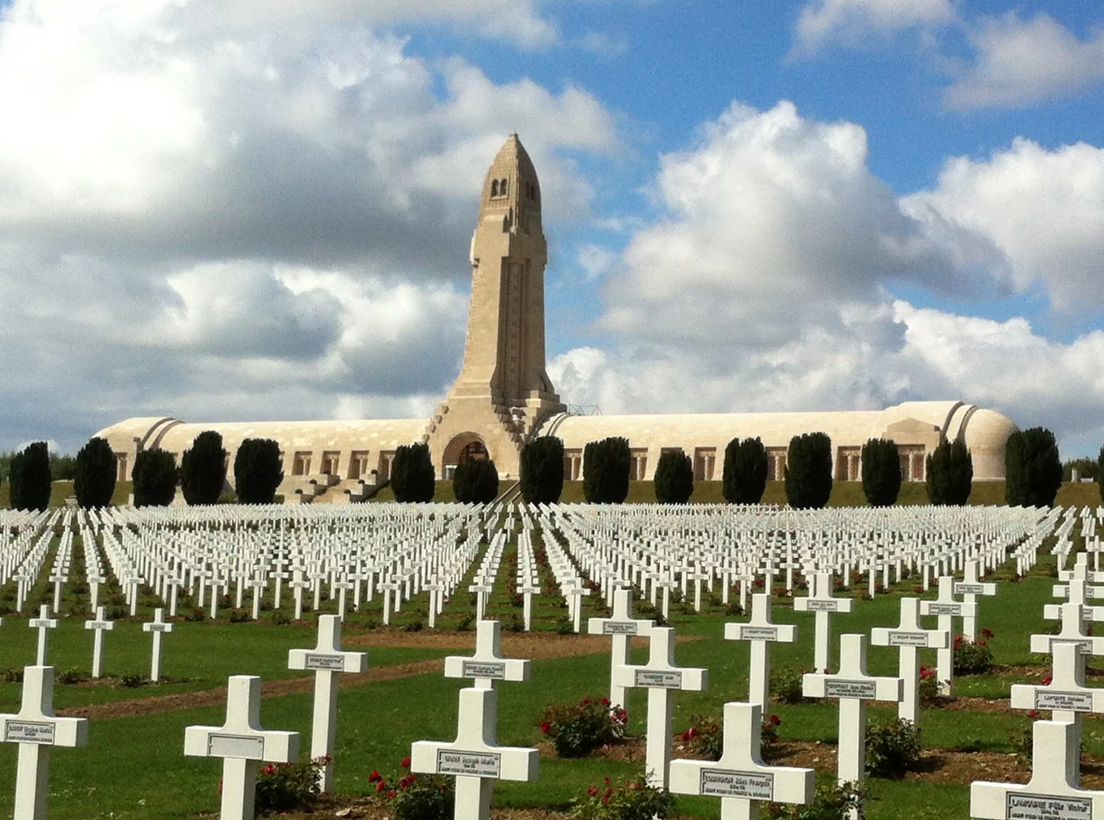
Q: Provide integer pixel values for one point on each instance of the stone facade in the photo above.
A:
(503, 396)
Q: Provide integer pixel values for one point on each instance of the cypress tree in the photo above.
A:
(1033, 468)
(413, 479)
(809, 471)
(30, 478)
(674, 477)
(155, 476)
(203, 469)
(950, 473)
(542, 470)
(258, 471)
(745, 471)
(94, 479)
(475, 481)
(1100, 472)
(881, 472)
(606, 465)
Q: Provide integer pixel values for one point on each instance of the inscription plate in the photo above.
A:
(907, 639)
(619, 628)
(242, 747)
(961, 588)
(945, 609)
(722, 783)
(823, 606)
(325, 663)
(657, 680)
(759, 633)
(859, 689)
(472, 764)
(153, 627)
(1064, 701)
(481, 669)
(1046, 807)
(28, 731)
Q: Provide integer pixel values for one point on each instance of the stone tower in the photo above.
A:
(503, 392)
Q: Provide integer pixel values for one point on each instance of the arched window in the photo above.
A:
(494, 188)
(503, 187)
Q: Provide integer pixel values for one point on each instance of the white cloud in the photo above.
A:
(852, 22)
(1020, 62)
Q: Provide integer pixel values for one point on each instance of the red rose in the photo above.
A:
(405, 763)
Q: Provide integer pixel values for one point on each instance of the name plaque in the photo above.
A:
(751, 785)
(857, 689)
(27, 731)
(1046, 807)
(657, 680)
(472, 764)
(481, 669)
(1064, 701)
(758, 633)
(619, 628)
(907, 639)
(325, 663)
(815, 605)
(238, 746)
(945, 609)
(962, 588)
(152, 627)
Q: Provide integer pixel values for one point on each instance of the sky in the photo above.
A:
(227, 210)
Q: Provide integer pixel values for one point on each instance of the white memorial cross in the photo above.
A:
(970, 588)
(326, 660)
(242, 744)
(661, 677)
(909, 637)
(157, 626)
(1051, 794)
(824, 604)
(487, 665)
(36, 729)
(740, 778)
(42, 623)
(1072, 631)
(853, 687)
(762, 632)
(99, 625)
(298, 584)
(947, 609)
(621, 627)
(474, 757)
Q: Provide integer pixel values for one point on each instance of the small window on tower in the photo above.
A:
(503, 187)
(494, 188)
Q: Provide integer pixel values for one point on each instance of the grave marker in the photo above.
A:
(487, 666)
(98, 625)
(762, 632)
(158, 627)
(821, 601)
(909, 637)
(621, 627)
(42, 623)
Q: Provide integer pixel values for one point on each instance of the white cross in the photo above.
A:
(970, 588)
(1072, 631)
(762, 632)
(42, 623)
(157, 626)
(98, 625)
(35, 728)
(487, 666)
(740, 778)
(327, 660)
(909, 637)
(620, 626)
(821, 601)
(947, 609)
(242, 744)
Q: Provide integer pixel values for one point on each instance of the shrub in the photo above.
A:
(949, 473)
(30, 478)
(606, 466)
(744, 479)
(155, 476)
(416, 796)
(831, 801)
(892, 747)
(576, 729)
(542, 470)
(809, 471)
(786, 684)
(674, 477)
(705, 737)
(972, 657)
(881, 472)
(1033, 468)
(413, 478)
(623, 800)
(94, 477)
(475, 481)
(284, 787)
(258, 471)
(927, 689)
(203, 469)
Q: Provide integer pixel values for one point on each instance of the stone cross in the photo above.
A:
(157, 626)
(621, 627)
(99, 625)
(474, 757)
(42, 623)
(327, 661)
(824, 604)
(661, 677)
(36, 729)
(909, 637)
(762, 632)
(853, 687)
(298, 584)
(947, 609)
(740, 778)
(242, 744)
(1052, 792)
(970, 588)
(487, 666)
(1072, 631)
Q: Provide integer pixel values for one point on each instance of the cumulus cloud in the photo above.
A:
(851, 22)
(1020, 62)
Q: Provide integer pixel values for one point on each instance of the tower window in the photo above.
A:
(499, 188)
(494, 188)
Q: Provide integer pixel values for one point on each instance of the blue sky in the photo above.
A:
(237, 209)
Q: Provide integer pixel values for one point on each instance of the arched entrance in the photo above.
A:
(465, 445)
